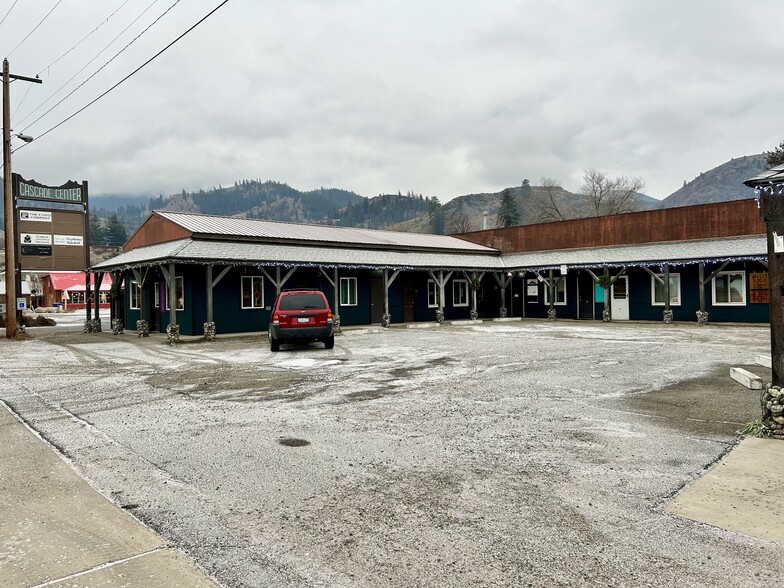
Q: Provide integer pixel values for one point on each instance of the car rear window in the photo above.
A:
(302, 302)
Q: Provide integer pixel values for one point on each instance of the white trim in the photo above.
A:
(166, 293)
(432, 288)
(653, 290)
(351, 290)
(742, 292)
(561, 280)
(242, 292)
(135, 289)
(464, 286)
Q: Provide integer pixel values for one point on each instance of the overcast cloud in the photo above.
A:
(441, 97)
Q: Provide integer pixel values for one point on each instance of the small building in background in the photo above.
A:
(67, 289)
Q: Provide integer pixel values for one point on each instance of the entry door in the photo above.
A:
(409, 304)
(620, 299)
(376, 300)
(585, 287)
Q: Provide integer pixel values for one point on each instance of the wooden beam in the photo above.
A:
(655, 276)
(714, 274)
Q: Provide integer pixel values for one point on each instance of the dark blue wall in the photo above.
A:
(230, 317)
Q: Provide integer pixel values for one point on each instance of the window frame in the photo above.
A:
(179, 285)
(135, 295)
(653, 290)
(350, 291)
(546, 298)
(156, 294)
(253, 303)
(433, 294)
(743, 302)
(459, 285)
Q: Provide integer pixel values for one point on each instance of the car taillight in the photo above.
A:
(329, 316)
(275, 319)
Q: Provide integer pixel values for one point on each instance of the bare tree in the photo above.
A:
(547, 201)
(610, 196)
(458, 223)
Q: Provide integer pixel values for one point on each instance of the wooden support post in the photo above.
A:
(503, 281)
(772, 209)
(441, 291)
(702, 285)
(386, 320)
(607, 314)
(98, 282)
(173, 302)
(386, 294)
(87, 301)
(551, 293)
(666, 287)
(209, 293)
(336, 297)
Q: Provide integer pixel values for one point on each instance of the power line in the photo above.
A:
(150, 60)
(103, 22)
(35, 27)
(97, 55)
(9, 12)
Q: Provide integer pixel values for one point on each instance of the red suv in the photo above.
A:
(301, 316)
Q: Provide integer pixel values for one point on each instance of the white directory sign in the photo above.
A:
(35, 215)
(69, 240)
(35, 239)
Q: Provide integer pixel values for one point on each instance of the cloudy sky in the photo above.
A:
(440, 97)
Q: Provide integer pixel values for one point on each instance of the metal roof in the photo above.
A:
(207, 225)
(248, 253)
(674, 252)
(773, 175)
(244, 253)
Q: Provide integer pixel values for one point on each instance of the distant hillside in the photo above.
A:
(382, 211)
(246, 198)
(721, 184)
(411, 212)
(534, 203)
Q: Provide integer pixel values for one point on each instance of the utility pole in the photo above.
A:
(11, 278)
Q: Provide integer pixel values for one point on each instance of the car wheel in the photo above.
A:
(329, 342)
(274, 344)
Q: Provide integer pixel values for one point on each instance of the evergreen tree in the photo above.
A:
(436, 214)
(508, 216)
(116, 235)
(97, 231)
(775, 157)
(525, 190)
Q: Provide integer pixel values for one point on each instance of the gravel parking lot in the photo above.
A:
(500, 454)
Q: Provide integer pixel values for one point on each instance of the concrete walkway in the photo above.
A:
(741, 492)
(55, 530)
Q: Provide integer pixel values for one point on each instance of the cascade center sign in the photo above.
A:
(51, 225)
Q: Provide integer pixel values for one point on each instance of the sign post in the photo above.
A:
(770, 189)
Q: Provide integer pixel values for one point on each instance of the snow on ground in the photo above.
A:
(504, 454)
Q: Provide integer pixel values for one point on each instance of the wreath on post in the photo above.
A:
(604, 281)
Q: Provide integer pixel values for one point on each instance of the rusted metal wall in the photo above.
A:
(155, 230)
(706, 221)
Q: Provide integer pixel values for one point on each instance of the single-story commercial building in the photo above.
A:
(69, 290)
(692, 262)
